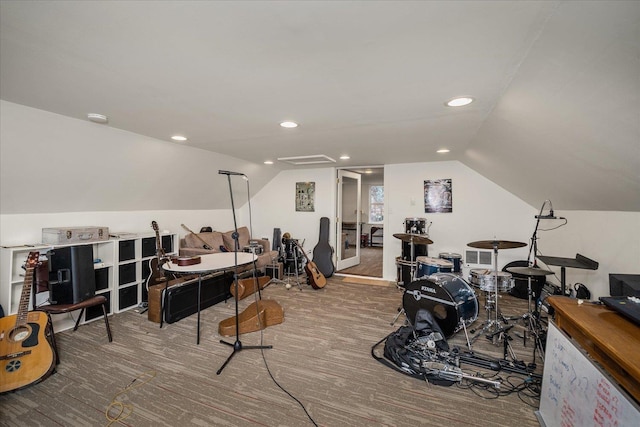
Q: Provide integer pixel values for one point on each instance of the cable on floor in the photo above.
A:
(125, 410)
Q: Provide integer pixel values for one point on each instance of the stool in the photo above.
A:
(364, 239)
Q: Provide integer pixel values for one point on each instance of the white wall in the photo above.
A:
(481, 211)
(610, 238)
(274, 206)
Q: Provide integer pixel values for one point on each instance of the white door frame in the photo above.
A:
(355, 260)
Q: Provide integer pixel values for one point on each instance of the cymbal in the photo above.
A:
(529, 271)
(417, 239)
(497, 244)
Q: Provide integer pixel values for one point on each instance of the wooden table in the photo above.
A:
(609, 338)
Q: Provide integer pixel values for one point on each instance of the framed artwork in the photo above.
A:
(305, 196)
(438, 196)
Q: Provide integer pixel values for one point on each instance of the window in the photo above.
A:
(376, 204)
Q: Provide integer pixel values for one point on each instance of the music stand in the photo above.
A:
(579, 262)
(237, 345)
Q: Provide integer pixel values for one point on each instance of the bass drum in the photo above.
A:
(447, 296)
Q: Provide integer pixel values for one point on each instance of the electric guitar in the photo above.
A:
(157, 275)
(27, 353)
(315, 277)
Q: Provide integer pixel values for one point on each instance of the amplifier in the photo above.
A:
(181, 296)
(254, 249)
(274, 271)
(548, 289)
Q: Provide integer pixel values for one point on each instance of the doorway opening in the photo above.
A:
(361, 222)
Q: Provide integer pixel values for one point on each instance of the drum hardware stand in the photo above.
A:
(502, 334)
(495, 322)
(295, 267)
(532, 317)
(466, 334)
(400, 313)
(533, 324)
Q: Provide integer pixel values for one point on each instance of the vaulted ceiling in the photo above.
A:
(556, 84)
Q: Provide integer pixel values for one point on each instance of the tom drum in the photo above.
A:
(404, 268)
(415, 225)
(428, 266)
(455, 259)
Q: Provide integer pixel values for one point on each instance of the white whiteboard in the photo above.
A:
(577, 393)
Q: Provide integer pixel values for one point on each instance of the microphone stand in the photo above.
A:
(237, 345)
(534, 238)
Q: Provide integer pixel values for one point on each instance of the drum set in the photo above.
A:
(437, 285)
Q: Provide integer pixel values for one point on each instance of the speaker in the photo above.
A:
(71, 275)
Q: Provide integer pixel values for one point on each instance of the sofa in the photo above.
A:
(191, 245)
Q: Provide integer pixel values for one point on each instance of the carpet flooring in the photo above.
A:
(321, 355)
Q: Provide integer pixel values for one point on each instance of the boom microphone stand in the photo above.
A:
(237, 345)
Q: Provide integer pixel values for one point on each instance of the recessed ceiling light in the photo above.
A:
(345, 157)
(459, 102)
(179, 138)
(268, 162)
(97, 118)
(368, 171)
(289, 125)
(443, 150)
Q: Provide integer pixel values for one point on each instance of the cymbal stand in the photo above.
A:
(413, 277)
(413, 259)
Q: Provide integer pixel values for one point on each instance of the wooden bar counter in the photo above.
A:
(609, 338)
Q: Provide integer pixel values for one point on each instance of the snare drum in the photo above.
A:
(428, 266)
(486, 280)
(415, 225)
(447, 296)
(455, 259)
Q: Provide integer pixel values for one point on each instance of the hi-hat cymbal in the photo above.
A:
(529, 271)
(417, 239)
(496, 244)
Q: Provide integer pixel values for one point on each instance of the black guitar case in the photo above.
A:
(323, 252)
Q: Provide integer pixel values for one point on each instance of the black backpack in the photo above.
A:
(401, 354)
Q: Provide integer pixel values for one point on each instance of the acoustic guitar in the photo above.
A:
(315, 277)
(157, 275)
(27, 352)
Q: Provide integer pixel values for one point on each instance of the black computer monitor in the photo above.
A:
(624, 285)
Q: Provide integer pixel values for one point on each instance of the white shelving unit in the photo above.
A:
(133, 257)
(12, 278)
(120, 274)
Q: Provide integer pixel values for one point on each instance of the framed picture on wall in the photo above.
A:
(305, 196)
(438, 196)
